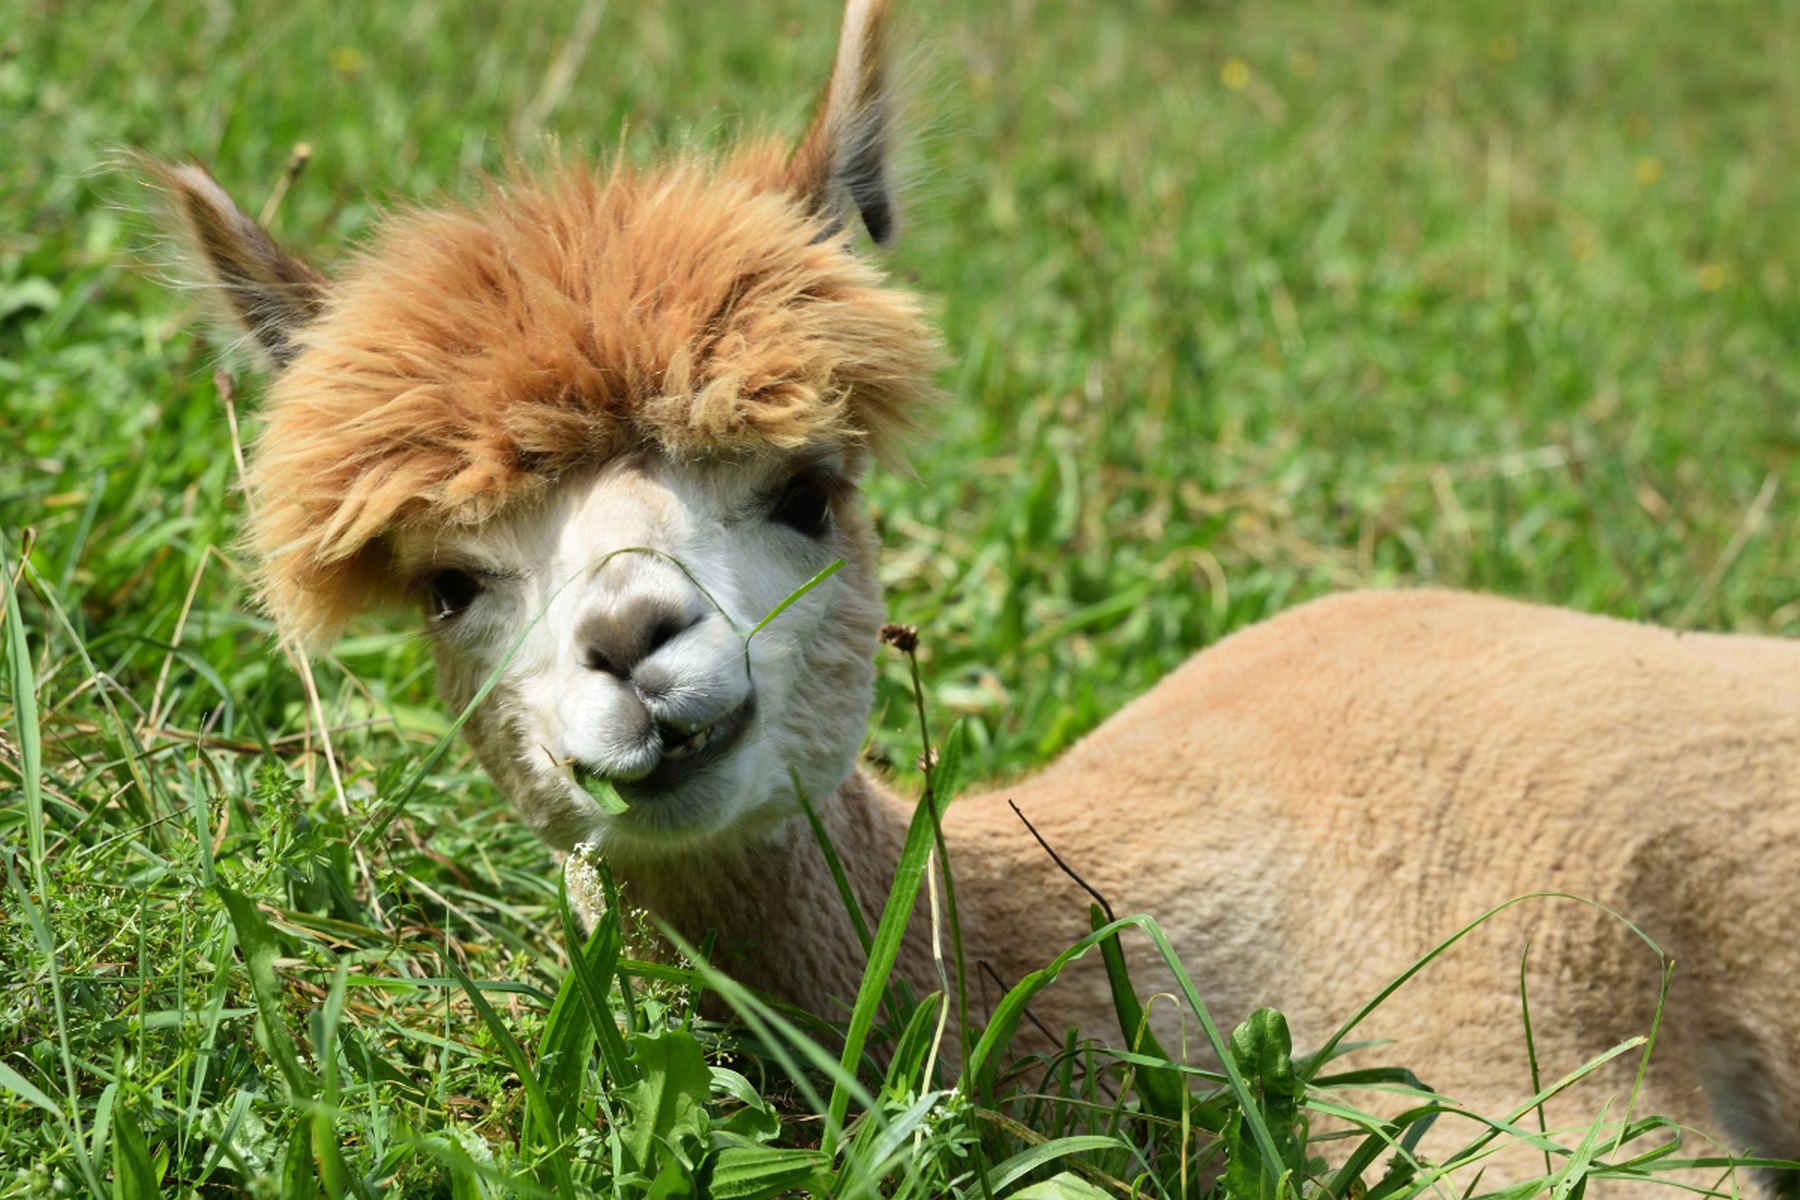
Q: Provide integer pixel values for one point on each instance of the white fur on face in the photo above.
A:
(630, 595)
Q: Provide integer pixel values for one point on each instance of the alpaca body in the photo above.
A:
(605, 428)
(1313, 804)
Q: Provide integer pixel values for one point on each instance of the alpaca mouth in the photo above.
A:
(687, 752)
(678, 745)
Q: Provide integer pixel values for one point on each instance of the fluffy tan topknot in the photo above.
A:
(471, 356)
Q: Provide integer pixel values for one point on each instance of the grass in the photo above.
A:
(1246, 305)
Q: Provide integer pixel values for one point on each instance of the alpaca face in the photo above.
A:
(615, 620)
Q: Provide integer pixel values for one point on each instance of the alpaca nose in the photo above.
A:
(615, 639)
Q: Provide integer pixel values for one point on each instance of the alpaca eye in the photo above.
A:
(805, 505)
(452, 591)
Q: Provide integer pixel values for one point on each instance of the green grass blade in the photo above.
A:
(299, 1174)
(1509, 1124)
(784, 1040)
(793, 598)
(984, 1063)
(593, 965)
(104, 1109)
(566, 1046)
(880, 1145)
(564, 1051)
(131, 750)
(467, 1174)
(1531, 1058)
(1003, 1175)
(540, 1123)
(890, 931)
(1383, 1138)
(1259, 1130)
(257, 940)
(334, 1173)
(912, 1049)
(28, 735)
(1162, 1089)
(27, 1091)
(1324, 1052)
(25, 725)
(834, 864)
(1574, 1173)
(135, 1176)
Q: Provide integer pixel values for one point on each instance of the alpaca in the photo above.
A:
(595, 425)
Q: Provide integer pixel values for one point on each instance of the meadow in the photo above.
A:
(1244, 304)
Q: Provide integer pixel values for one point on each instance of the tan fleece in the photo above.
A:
(1314, 803)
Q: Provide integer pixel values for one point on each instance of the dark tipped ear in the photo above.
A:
(842, 160)
(262, 290)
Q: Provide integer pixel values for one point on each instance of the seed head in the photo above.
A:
(904, 638)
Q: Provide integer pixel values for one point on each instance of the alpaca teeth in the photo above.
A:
(694, 741)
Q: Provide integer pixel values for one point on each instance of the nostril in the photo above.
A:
(668, 629)
(619, 638)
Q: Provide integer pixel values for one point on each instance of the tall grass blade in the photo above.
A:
(785, 1042)
(25, 725)
(1509, 1124)
(103, 1118)
(890, 931)
(1384, 1138)
(793, 598)
(834, 864)
(131, 750)
(299, 1175)
(468, 1174)
(1573, 1178)
(593, 965)
(1259, 1130)
(135, 1176)
(1531, 1058)
(1161, 1089)
(566, 1047)
(334, 1173)
(1004, 1175)
(27, 1091)
(1324, 1053)
(259, 945)
(540, 1122)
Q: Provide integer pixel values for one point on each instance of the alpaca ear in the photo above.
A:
(263, 291)
(842, 160)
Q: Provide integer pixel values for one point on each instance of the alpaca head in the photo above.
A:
(596, 426)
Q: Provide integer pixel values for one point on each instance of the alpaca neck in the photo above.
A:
(779, 921)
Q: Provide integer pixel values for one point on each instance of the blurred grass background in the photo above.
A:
(1246, 304)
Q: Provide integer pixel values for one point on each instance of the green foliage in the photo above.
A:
(665, 1122)
(1262, 1052)
(1246, 303)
